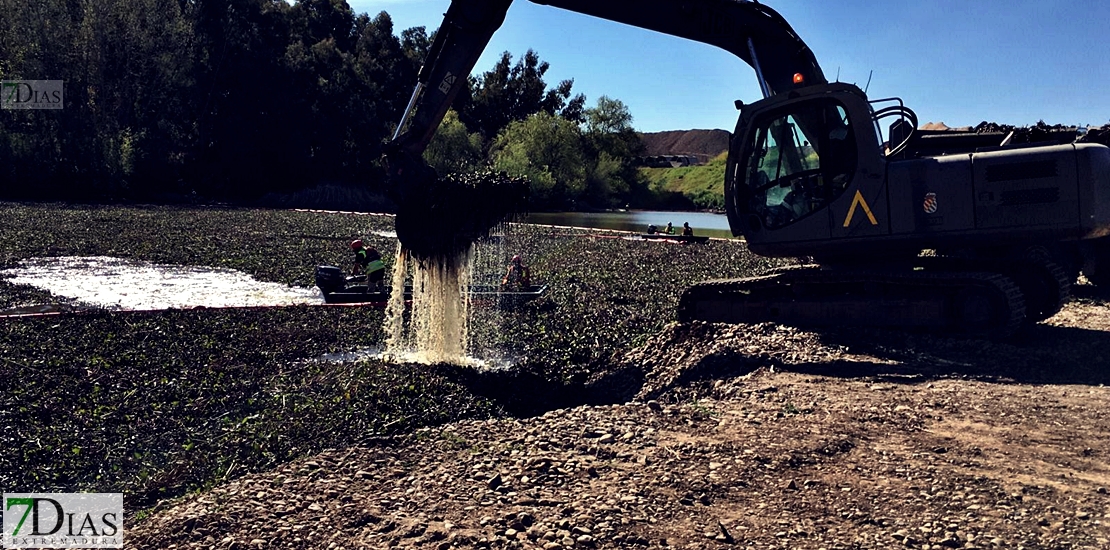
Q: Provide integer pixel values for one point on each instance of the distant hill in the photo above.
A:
(705, 144)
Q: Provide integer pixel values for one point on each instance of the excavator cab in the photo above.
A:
(795, 169)
(794, 158)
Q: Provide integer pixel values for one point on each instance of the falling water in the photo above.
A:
(395, 308)
(487, 264)
(440, 321)
(440, 304)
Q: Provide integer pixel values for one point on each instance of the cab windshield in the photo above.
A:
(801, 159)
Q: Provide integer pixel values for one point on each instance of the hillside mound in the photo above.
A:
(702, 143)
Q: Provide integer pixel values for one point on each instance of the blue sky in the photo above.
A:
(954, 61)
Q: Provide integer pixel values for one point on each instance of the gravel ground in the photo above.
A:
(732, 437)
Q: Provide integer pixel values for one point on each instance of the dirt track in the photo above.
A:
(733, 436)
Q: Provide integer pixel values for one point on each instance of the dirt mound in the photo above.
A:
(702, 143)
(935, 126)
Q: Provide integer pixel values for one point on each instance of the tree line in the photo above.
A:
(233, 99)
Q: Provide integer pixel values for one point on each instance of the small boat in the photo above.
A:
(675, 238)
(339, 289)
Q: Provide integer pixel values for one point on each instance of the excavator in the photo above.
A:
(975, 234)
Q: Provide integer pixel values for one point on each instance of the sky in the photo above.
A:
(959, 62)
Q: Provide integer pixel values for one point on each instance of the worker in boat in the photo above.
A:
(518, 277)
(651, 229)
(369, 262)
(670, 229)
(687, 231)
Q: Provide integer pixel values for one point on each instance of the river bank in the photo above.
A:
(708, 224)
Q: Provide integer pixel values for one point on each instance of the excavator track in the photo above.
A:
(1045, 286)
(973, 304)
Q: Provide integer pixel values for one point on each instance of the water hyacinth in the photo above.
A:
(172, 401)
(438, 220)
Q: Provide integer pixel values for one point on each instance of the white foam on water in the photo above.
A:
(124, 284)
(410, 356)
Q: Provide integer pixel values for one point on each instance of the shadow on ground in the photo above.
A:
(705, 354)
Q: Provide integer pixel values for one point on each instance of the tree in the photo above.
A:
(610, 142)
(508, 93)
(249, 139)
(138, 92)
(35, 154)
(127, 68)
(416, 43)
(453, 149)
(548, 151)
(610, 116)
(314, 21)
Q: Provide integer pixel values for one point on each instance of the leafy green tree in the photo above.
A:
(416, 43)
(548, 150)
(127, 68)
(249, 137)
(453, 149)
(138, 90)
(610, 142)
(329, 95)
(508, 93)
(34, 154)
(388, 67)
(610, 117)
(315, 21)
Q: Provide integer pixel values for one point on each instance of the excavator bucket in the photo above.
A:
(439, 217)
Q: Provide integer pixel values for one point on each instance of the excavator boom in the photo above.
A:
(753, 32)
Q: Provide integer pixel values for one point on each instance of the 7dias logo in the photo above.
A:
(63, 520)
(32, 94)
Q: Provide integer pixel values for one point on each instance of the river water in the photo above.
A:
(123, 284)
(637, 221)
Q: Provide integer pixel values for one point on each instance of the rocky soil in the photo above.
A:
(731, 437)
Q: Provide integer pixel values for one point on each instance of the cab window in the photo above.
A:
(800, 159)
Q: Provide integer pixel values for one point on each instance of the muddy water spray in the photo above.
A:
(395, 309)
(437, 330)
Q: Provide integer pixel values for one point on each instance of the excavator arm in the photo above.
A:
(467, 28)
(438, 216)
(753, 32)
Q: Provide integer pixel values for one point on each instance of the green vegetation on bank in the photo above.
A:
(703, 186)
(156, 404)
